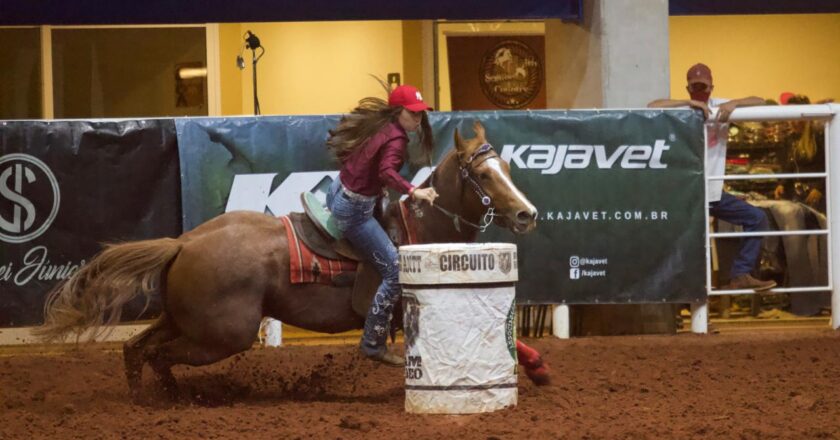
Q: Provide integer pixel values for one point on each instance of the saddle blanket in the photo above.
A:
(306, 266)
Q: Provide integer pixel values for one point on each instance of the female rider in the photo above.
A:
(371, 144)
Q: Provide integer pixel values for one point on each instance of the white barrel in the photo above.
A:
(459, 305)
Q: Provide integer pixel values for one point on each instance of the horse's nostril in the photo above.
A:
(525, 216)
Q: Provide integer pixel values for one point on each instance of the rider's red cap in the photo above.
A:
(408, 97)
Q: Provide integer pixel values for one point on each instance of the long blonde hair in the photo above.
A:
(366, 120)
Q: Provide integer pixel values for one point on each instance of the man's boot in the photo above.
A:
(747, 281)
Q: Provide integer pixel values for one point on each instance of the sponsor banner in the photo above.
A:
(257, 164)
(66, 187)
(619, 193)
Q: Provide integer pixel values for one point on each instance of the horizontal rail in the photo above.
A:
(768, 233)
(769, 176)
(775, 290)
(781, 112)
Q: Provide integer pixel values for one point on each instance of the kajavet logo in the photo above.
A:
(550, 159)
(23, 180)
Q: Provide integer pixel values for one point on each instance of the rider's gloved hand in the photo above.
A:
(427, 194)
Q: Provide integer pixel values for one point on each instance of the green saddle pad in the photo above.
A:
(319, 215)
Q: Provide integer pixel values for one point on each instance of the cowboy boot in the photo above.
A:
(746, 281)
(374, 341)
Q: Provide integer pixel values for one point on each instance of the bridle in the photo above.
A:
(479, 156)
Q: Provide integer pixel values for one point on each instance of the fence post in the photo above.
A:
(833, 186)
(700, 317)
(560, 324)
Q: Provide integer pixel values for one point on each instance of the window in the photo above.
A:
(20, 73)
(129, 72)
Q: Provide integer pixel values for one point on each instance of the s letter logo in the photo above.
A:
(22, 178)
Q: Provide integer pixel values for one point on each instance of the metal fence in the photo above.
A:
(831, 114)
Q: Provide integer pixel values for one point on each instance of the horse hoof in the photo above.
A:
(136, 397)
(168, 390)
(539, 375)
(172, 394)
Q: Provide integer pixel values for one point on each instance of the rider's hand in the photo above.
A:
(427, 194)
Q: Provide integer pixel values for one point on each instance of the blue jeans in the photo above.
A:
(354, 218)
(738, 212)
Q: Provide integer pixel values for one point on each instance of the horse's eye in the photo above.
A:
(483, 176)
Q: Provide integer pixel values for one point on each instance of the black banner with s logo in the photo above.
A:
(66, 187)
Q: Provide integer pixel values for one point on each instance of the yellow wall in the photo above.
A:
(230, 42)
(315, 67)
(322, 67)
(412, 36)
(762, 55)
(477, 29)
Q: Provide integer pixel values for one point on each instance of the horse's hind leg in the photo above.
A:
(134, 350)
(183, 350)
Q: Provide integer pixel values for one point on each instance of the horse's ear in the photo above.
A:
(459, 143)
(479, 129)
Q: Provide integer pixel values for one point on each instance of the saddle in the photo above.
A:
(325, 236)
(318, 230)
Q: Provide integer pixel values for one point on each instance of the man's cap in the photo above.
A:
(699, 73)
(408, 97)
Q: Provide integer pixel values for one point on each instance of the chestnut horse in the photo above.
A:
(219, 280)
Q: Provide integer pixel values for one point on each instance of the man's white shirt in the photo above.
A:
(716, 135)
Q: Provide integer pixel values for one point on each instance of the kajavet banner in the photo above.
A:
(67, 187)
(619, 192)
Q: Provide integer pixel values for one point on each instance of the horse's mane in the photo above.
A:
(447, 157)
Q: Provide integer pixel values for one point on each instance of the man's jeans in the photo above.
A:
(738, 212)
(354, 218)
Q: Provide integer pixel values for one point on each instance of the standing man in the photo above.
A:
(723, 205)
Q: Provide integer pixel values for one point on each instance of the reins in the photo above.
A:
(466, 174)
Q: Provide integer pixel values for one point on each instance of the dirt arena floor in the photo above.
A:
(745, 385)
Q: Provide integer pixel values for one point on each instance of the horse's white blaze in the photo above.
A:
(495, 165)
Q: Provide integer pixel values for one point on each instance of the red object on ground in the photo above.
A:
(535, 368)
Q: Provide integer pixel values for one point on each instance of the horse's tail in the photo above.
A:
(103, 286)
